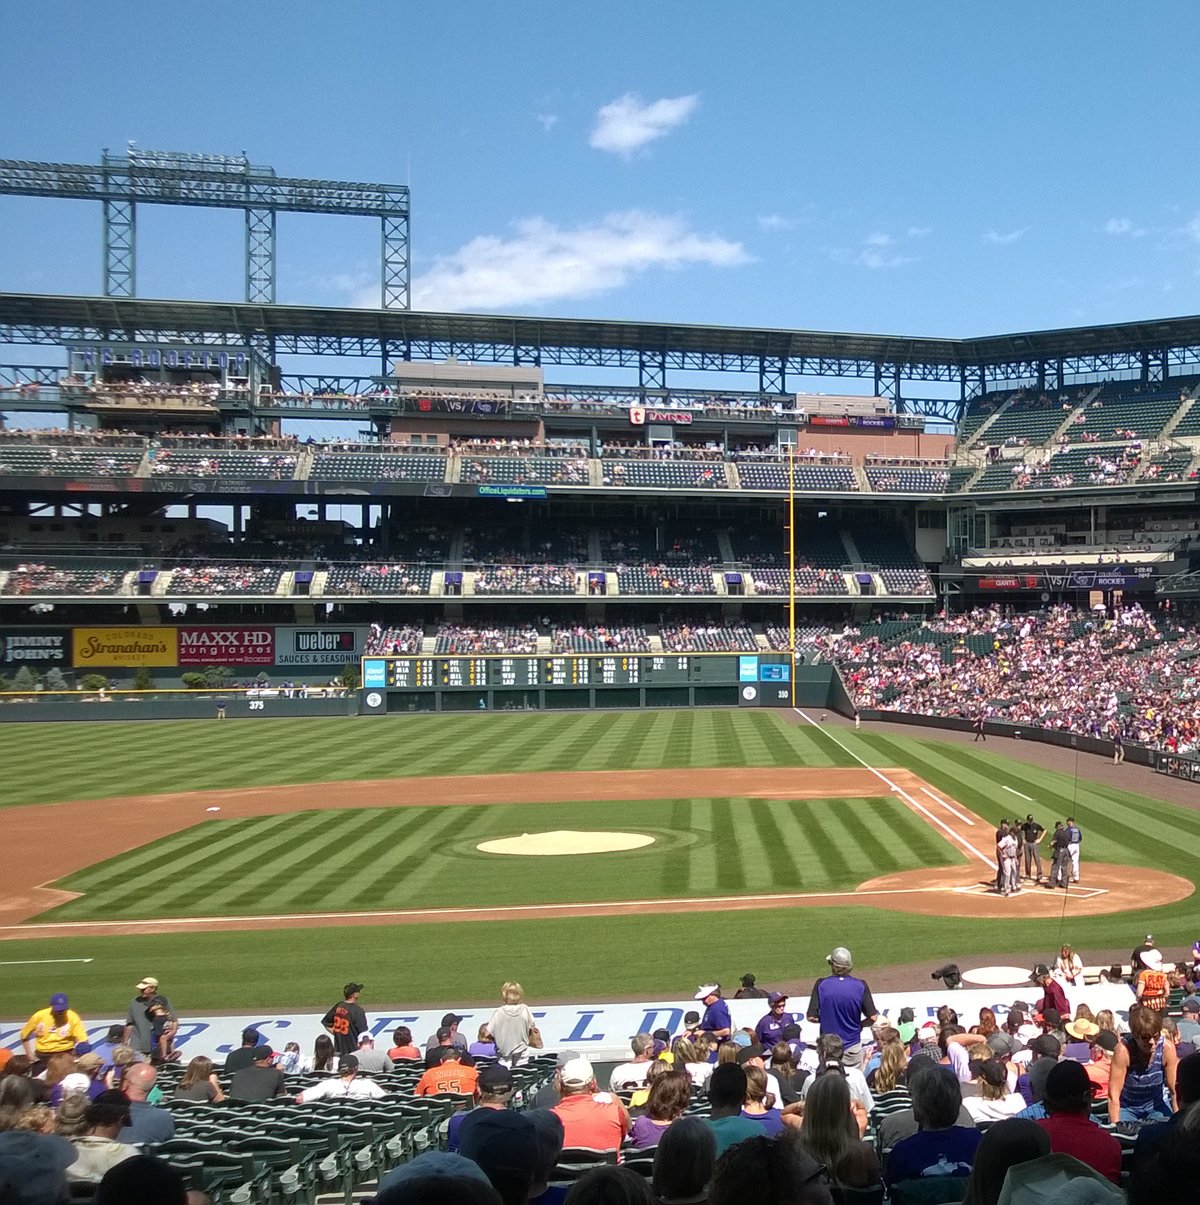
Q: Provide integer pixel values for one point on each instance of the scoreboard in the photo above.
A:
(527, 671)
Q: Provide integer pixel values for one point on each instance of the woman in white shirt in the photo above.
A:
(995, 1102)
(1068, 969)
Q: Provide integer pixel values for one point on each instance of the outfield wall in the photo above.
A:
(170, 705)
(599, 1031)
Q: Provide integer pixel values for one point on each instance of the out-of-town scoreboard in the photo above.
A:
(759, 679)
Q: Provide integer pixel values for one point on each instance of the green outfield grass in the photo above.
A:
(48, 763)
(594, 957)
(381, 858)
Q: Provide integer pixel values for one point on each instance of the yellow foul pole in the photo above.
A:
(792, 568)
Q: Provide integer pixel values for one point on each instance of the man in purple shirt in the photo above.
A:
(770, 1029)
(716, 1019)
(842, 1004)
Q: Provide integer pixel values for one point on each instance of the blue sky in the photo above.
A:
(915, 168)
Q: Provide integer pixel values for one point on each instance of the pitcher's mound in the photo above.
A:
(964, 891)
(565, 841)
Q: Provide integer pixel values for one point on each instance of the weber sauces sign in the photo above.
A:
(318, 646)
(227, 646)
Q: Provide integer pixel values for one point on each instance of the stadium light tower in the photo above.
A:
(122, 182)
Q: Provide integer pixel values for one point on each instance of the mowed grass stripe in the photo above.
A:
(747, 853)
(45, 763)
(296, 866)
(702, 863)
(783, 837)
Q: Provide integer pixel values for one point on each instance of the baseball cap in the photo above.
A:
(149, 981)
(1149, 939)
(1040, 971)
(1106, 1040)
(351, 988)
(705, 990)
(89, 1061)
(495, 1077)
(1052, 1017)
(753, 1051)
(993, 1071)
(451, 1019)
(58, 1001)
(366, 1036)
(775, 997)
(741, 1039)
(348, 1062)
(788, 1032)
(577, 1071)
(504, 1143)
(431, 1165)
(691, 1017)
(840, 955)
(1000, 1043)
(564, 1057)
(1067, 1079)
(443, 1033)
(928, 1032)
(33, 1163)
(1046, 1045)
(262, 1052)
(1190, 1004)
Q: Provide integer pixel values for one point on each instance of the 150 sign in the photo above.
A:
(226, 646)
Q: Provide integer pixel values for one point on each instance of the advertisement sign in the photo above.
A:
(1012, 581)
(598, 1031)
(128, 648)
(374, 673)
(45, 647)
(226, 646)
(319, 646)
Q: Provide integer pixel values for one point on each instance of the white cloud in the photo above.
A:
(879, 240)
(919, 231)
(546, 120)
(627, 124)
(1123, 226)
(1003, 240)
(1192, 229)
(873, 257)
(543, 262)
(776, 221)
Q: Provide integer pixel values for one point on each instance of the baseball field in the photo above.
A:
(253, 864)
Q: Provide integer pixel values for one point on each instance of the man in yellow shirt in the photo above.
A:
(54, 1030)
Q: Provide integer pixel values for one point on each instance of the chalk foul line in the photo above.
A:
(915, 804)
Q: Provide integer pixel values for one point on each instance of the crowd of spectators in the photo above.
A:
(526, 579)
(394, 640)
(221, 578)
(707, 638)
(29, 579)
(600, 638)
(1061, 1095)
(1133, 673)
(460, 639)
